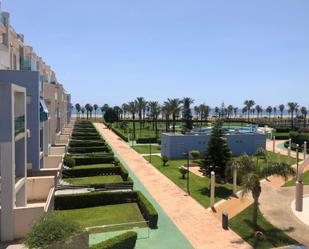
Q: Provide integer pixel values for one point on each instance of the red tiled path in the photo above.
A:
(197, 224)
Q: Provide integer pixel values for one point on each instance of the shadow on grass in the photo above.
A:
(273, 237)
(220, 192)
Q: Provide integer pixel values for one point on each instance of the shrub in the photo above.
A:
(147, 140)
(88, 149)
(122, 241)
(50, 229)
(123, 172)
(69, 161)
(183, 171)
(83, 160)
(147, 210)
(85, 172)
(164, 160)
(299, 138)
(93, 199)
(195, 154)
(88, 143)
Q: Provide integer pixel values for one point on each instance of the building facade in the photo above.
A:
(35, 127)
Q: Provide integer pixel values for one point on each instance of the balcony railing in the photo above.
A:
(19, 125)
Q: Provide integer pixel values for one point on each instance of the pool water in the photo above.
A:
(229, 129)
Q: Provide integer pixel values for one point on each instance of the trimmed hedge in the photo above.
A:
(147, 140)
(300, 148)
(299, 138)
(147, 210)
(123, 172)
(88, 143)
(93, 199)
(83, 160)
(123, 241)
(69, 161)
(116, 185)
(85, 172)
(86, 137)
(120, 135)
(103, 148)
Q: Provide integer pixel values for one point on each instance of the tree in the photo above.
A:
(125, 109)
(269, 110)
(90, 110)
(95, 107)
(166, 111)
(304, 112)
(87, 107)
(204, 112)
(218, 153)
(186, 112)
(78, 108)
(235, 111)
(195, 154)
(83, 111)
(155, 110)
(174, 105)
(133, 109)
(250, 174)
(248, 105)
(217, 111)
(230, 110)
(293, 106)
(141, 105)
(259, 110)
(110, 116)
(281, 109)
(164, 160)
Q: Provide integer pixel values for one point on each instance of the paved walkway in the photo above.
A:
(198, 225)
(275, 204)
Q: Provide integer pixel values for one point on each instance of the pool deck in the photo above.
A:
(197, 224)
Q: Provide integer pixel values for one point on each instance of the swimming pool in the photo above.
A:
(228, 129)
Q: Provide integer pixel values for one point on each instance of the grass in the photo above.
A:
(108, 165)
(144, 149)
(281, 134)
(94, 180)
(199, 186)
(273, 158)
(273, 237)
(293, 182)
(103, 215)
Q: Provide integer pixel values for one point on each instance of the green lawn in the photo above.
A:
(281, 134)
(94, 180)
(199, 186)
(107, 165)
(104, 215)
(144, 149)
(273, 158)
(274, 237)
(293, 182)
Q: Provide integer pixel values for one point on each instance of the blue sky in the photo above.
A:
(113, 51)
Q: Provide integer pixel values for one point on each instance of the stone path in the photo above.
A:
(275, 204)
(197, 224)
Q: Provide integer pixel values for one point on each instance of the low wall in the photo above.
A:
(53, 162)
(57, 151)
(25, 217)
(38, 188)
(62, 139)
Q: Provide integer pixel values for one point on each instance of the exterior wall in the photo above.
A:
(4, 42)
(29, 80)
(39, 187)
(175, 145)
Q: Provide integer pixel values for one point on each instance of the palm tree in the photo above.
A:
(293, 106)
(197, 111)
(235, 111)
(95, 107)
(269, 110)
(204, 110)
(125, 109)
(133, 109)
(78, 108)
(90, 110)
(83, 111)
(248, 105)
(217, 111)
(167, 111)
(251, 173)
(275, 110)
(141, 105)
(281, 109)
(87, 107)
(230, 110)
(259, 110)
(186, 111)
(175, 108)
(304, 112)
(155, 110)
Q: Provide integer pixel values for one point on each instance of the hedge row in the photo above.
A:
(149, 140)
(128, 184)
(86, 143)
(120, 135)
(92, 171)
(103, 148)
(86, 137)
(299, 138)
(93, 199)
(294, 147)
(148, 211)
(83, 160)
(122, 241)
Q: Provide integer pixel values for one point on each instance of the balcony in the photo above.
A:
(19, 125)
